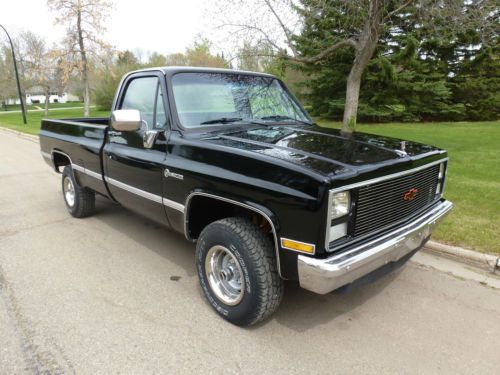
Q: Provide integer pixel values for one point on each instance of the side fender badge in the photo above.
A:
(178, 176)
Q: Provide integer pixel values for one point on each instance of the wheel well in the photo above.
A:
(204, 210)
(60, 160)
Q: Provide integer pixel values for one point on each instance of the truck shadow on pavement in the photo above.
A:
(300, 309)
(151, 235)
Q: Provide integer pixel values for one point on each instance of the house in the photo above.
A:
(35, 95)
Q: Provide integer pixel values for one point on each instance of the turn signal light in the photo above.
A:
(297, 246)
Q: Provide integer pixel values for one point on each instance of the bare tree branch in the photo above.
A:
(255, 28)
(285, 30)
(397, 10)
(326, 52)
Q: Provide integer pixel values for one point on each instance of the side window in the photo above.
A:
(144, 94)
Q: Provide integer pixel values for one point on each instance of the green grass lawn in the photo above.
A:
(14, 120)
(473, 183)
(17, 107)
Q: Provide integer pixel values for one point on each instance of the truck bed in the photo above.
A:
(78, 142)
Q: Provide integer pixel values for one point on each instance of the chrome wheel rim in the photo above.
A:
(69, 191)
(224, 275)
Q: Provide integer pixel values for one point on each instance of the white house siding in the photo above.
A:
(41, 99)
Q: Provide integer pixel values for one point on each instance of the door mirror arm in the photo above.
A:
(150, 135)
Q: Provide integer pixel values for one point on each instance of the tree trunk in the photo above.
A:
(366, 46)
(47, 98)
(352, 98)
(85, 72)
(86, 94)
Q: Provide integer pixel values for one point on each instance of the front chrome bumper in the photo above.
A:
(325, 275)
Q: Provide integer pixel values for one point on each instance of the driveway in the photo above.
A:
(116, 293)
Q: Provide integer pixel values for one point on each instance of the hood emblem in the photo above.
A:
(410, 194)
(402, 151)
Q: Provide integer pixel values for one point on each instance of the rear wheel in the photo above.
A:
(238, 271)
(80, 202)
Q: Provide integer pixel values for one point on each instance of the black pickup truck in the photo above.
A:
(231, 160)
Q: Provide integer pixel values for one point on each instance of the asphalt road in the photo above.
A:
(99, 295)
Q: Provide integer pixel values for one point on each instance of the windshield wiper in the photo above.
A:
(282, 117)
(222, 120)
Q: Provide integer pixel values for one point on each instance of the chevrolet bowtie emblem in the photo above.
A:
(410, 194)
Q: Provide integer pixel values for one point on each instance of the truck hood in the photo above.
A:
(326, 151)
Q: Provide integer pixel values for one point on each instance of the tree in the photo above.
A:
(7, 80)
(20, 49)
(199, 55)
(157, 59)
(250, 57)
(327, 28)
(176, 59)
(258, 57)
(401, 83)
(43, 68)
(127, 58)
(85, 22)
(110, 74)
(477, 85)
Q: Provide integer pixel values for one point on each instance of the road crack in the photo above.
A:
(40, 355)
(13, 232)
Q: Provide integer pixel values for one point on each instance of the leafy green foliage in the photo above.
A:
(416, 74)
(109, 79)
(477, 86)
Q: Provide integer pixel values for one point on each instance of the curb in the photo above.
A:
(482, 260)
(29, 137)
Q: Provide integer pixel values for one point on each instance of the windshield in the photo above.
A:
(223, 98)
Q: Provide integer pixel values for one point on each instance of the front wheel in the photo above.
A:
(238, 271)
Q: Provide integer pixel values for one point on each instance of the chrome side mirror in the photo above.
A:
(126, 120)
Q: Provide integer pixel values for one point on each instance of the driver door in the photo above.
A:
(133, 170)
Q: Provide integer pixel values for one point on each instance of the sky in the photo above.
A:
(164, 26)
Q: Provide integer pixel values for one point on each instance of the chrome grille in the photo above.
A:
(382, 204)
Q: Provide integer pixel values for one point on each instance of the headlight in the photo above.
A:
(340, 204)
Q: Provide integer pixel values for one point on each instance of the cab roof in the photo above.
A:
(171, 70)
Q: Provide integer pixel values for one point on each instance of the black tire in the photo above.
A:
(83, 203)
(252, 249)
